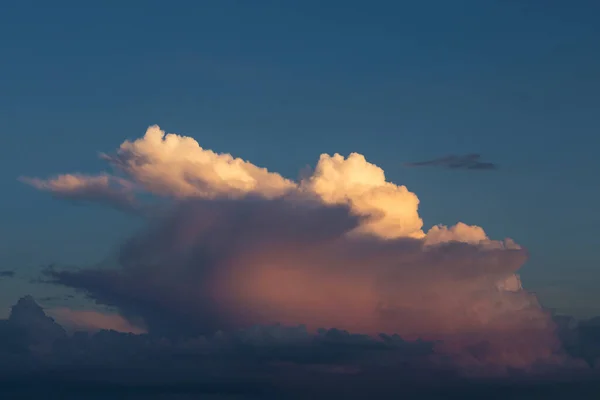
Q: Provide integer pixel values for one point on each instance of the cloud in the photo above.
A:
(393, 210)
(467, 161)
(260, 346)
(7, 274)
(110, 190)
(91, 321)
(52, 299)
(176, 166)
(38, 359)
(229, 264)
(464, 233)
(33, 330)
(581, 338)
(342, 248)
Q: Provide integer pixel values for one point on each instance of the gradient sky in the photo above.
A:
(280, 82)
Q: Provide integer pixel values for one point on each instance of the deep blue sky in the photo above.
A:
(280, 82)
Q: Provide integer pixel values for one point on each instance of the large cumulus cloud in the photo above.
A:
(342, 248)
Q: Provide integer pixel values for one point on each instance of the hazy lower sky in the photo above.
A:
(280, 82)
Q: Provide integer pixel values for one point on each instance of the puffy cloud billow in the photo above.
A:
(342, 248)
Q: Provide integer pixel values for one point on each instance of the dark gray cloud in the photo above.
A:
(581, 338)
(33, 346)
(7, 274)
(467, 161)
(39, 360)
(51, 299)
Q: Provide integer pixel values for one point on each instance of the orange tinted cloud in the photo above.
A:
(175, 166)
(362, 185)
(103, 188)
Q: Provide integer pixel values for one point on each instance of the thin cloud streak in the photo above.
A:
(113, 191)
(467, 161)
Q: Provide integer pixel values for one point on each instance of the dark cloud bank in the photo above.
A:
(38, 359)
(34, 348)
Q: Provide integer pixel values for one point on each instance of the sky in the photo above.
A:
(280, 83)
(424, 169)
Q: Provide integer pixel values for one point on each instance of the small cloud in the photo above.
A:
(7, 274)
(467, 161)
(108, 189)
(51, 299)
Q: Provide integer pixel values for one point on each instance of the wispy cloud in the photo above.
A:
(111, 190)
(466, 161)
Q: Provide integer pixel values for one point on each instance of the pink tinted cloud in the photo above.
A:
(214, 265)
(91, 321)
